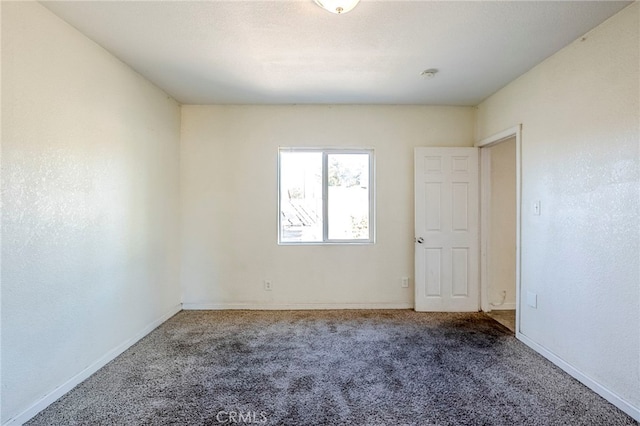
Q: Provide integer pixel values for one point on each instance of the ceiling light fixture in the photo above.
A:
(337, 6)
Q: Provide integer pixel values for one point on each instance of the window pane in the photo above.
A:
(348, 196)
(301, 196)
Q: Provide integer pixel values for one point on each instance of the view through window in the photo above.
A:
(326, 196)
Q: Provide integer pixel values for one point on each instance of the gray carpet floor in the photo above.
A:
(330, 368)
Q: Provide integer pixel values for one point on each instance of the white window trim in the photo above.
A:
(325, 204)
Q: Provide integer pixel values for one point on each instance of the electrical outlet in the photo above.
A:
(405, 282)
(267, 285)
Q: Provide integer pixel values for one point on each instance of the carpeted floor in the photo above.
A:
(330, 368)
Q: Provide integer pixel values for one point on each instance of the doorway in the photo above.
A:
(499, 227)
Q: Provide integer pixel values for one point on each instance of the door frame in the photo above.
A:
(485, 223)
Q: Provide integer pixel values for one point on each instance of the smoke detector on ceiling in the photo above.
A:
(430, 73)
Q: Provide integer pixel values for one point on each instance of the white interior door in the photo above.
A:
(446, 229)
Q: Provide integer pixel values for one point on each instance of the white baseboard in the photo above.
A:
(587, 381)
(292, 306)
(51, 397)
(504, 307)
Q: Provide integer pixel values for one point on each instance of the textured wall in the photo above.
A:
(502, 239)
(229, 203)
(579, 111)
(89, 204)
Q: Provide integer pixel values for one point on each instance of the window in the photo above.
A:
(325, 196)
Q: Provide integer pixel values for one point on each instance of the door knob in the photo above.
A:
(420, 240)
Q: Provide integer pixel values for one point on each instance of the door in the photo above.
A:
(446, 229)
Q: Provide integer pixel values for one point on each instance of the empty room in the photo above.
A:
(320, 212)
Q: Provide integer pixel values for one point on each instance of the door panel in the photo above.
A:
(432, 216)
(460, 207)
(433, 262)
(460, 272)
(446, 229)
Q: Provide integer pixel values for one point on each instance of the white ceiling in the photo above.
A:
(291, 51)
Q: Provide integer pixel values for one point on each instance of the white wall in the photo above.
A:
(580, 142)
(89, 205)
(502, 238)
(229, 203)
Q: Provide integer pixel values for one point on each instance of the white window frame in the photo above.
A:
(325, 202)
